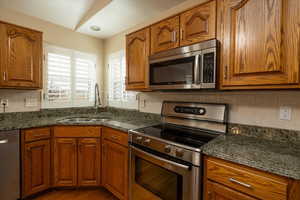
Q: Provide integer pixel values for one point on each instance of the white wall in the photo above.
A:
(249, 107)
(52, 34)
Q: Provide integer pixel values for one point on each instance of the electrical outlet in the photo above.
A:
(4, 102)
(285, 113)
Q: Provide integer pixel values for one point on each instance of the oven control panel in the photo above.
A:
(173, 150)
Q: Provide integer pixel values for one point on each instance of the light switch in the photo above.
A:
(285, 113)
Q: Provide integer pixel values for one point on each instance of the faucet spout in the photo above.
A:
(97, 97)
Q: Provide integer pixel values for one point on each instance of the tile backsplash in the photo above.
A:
(21, 100)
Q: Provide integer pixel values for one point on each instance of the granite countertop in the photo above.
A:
(279, 158)
(122, 121)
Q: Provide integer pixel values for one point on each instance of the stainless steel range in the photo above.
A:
(166, 160)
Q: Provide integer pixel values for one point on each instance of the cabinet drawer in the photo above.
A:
(250, 181)
(115, 136)
(77, 131)
(37, 134)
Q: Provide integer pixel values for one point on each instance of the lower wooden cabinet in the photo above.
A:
(36, 167)
(217, 191)
(35, 159)
(89, 155)
(65, 162)
(115, 168)
(224, 180)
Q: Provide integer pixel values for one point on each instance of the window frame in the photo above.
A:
(74, 54)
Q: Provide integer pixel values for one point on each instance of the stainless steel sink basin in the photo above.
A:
(84, 119)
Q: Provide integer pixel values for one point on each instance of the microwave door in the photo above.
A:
(208, 68)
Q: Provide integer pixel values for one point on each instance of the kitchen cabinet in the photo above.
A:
(115, 165)
(165, 35)
(261, 50)
(21, 57)
(228, 181)
(198, 24)
(35, 161)
(89, 155)
(137, 52)
(77, 156)
(217, 191)
(65, 162)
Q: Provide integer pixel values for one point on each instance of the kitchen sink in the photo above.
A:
(84, 119)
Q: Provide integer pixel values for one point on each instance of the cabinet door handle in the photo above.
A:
(181, 35)
(240, 183)
(4, 76)
(226, 72)
(174, 36)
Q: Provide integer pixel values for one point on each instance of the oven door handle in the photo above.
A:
(185, 167)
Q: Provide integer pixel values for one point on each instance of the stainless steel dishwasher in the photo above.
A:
(9, 165)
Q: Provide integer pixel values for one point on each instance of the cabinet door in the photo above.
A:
(165, 35)
(89, 162)
(215, 191)
(65, 162)
(36, 168)
(115, 169)
(21, 66)
(259, 50)
(137, 52)
(198, 24)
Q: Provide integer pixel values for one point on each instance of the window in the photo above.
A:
(118, 96)
(69, 78)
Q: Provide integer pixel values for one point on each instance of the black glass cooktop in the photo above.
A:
(186, 136)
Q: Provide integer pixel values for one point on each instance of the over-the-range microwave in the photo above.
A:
(189, 67)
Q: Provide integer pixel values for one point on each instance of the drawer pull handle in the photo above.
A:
(240, 183)
(3, 141)
(114, 137)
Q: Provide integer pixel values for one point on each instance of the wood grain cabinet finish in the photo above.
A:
(137, 52)
(198, 24)
(217, 191)
(259, 43)
(36, 167)
(115, 169)
(89, 159)
(21, 57)
(65, 162)
(225, 180)
(165, 35)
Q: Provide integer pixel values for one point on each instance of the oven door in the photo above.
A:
(178, 72)
(156, 178)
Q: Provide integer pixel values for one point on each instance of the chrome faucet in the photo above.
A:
(97, 97)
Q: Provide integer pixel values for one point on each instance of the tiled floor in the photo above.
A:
(84, 194)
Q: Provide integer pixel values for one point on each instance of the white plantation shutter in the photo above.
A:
(118, 96)
(69, 78)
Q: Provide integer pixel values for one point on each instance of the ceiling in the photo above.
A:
(112, 16)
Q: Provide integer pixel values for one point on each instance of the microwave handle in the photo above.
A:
(197, 71)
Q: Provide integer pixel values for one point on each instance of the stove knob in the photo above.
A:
(139, 139)
(147, 142)
(179, 152)
(167, 149)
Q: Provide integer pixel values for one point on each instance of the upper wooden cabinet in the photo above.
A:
(21, 57)
(137, 52)
(165, 35)
(198, 24)
(259, 43)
